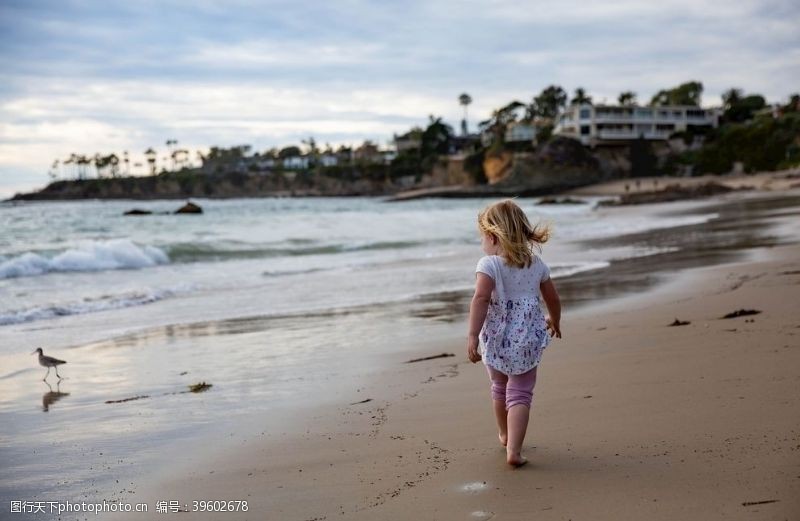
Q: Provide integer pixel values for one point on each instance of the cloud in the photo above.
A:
(86, 76)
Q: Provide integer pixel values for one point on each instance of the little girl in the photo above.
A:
(506, 319)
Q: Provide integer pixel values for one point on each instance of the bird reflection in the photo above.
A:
(51, 397)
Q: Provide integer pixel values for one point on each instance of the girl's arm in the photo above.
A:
(553, 302)
(484, 285)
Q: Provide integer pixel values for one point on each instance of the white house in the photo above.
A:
(329, 159)
(517, 132)
(607, 124)
(295, 162)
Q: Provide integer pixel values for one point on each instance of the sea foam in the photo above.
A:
(114, 254)
(90, 305)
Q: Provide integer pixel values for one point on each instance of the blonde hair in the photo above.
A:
(507, 222)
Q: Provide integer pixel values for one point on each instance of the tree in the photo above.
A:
(627, 98)
(548, 104)
(171, 143)
(464, 100)
(500, 120)
(180, 157)
(435, 138)
(793, 105)
(684, 94)
(71, 160)
(82, 162)
(580, 97)
(740, 108)
(53, 172)
(731, 97)
(290, 151)
(151, 157)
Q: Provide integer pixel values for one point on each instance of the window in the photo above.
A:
(585, 129)
(586, 113)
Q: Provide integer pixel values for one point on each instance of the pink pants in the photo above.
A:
(515, 389)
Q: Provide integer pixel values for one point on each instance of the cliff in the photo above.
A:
(183, 185)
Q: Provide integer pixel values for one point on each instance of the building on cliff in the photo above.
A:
(615, 124)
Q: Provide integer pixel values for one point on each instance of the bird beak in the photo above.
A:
(34, 351)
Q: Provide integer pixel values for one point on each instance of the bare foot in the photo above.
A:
(503, 439)
(516, 461)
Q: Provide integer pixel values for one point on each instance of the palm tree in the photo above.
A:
(180, 157)
(151, 156)
(581, 98)
(627, 98)
(71, 161)
(731, 97)
(113, 160)
(127, 161)
(53, 172)
(82, 162)
(170, 143)
(464, 100)
(500, 120)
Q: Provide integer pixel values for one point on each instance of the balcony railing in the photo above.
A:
(632, 134)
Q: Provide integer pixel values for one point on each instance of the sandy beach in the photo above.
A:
(633, 419)
(764, 181)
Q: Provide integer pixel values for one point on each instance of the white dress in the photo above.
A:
(514, 333)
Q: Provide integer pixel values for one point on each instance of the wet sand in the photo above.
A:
(633, 419)
(763, 181)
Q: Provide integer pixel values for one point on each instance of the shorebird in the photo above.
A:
(48, 362)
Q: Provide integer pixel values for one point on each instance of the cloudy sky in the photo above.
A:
(107, 76)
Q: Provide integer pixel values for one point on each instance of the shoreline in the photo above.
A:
(764, 181)
(630, 419)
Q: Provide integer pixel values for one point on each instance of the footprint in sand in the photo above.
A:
(475, 486)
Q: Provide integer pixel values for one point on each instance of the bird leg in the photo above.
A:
(58, 375)
(46, 375)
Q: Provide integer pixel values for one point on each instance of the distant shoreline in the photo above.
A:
(765, 181)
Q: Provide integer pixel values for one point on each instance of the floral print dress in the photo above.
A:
(514, 333)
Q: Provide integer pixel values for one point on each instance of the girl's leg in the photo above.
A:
(518, 402)
(501, 415)
(499, 382)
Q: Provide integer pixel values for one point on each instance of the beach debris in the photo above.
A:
(194, 388)
(199, 387)
(562, 200)
(362, 401)
(184, 373)
(443, 355)
(189, 207)
(742, 313)
(138, 211)
(677, 322)
(132, 398)
(588, 396)
(751, 503)
(48, 362)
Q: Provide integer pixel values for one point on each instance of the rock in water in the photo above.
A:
(138, 211)
(189, 208)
